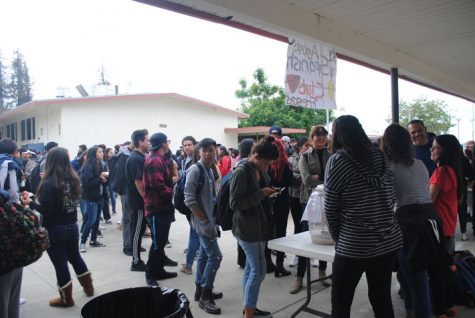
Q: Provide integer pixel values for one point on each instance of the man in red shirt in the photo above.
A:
(157, 184)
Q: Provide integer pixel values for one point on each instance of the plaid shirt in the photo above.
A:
(157, 183)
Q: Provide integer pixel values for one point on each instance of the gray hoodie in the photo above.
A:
(204, 200)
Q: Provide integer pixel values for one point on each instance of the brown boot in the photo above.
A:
(325, 282)
(297, 286)
(65, 296)
(85, 280)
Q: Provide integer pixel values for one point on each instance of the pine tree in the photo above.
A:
(3, 86)
(19, 87)
(103, 76)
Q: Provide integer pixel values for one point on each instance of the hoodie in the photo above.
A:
(359, 206)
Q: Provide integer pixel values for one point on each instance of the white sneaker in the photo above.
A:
(294, 261)
(22, 301)
(314, 262)
(464, 237)
(82, 248)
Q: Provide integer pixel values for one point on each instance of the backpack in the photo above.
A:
(23, 238)
(117, 181)
(179, 191)
(224, 213)
(464, 279)
(35, 177)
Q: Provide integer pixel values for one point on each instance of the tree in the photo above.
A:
(19, 87)
(433, 113)
(3, 86)
(103, 76)
(265, 103)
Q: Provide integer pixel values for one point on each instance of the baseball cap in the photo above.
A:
(286, 138)
(156, 140)
(275, 130)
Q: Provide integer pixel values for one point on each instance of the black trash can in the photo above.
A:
(143, 302)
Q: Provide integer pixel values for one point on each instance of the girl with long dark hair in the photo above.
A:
(92, 179)
(446, 184)
(58, 196)
(423, 253)
(359, 206)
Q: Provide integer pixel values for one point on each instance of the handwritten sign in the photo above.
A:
(311, 75)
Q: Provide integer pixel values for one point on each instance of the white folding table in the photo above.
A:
(301, 245)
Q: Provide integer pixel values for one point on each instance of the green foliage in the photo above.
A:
(3, 86)
(265, 103)
(433, 113)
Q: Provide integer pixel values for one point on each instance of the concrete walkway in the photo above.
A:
(111, 271)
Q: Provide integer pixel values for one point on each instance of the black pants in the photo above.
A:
(281, 216)
(302, 263)
(462, 212)
(156, 254)
(137, 229)
(346, 275)
(296, 211)
(105, 204)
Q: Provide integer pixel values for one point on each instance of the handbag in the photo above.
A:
(23, 239)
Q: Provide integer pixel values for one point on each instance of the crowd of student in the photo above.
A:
(395, 202)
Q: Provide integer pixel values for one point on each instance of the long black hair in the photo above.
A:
(349, 135)
(451, 155)
(91, 159)
(396, 144)
(58, 169)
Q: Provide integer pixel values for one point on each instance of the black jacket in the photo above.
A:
(91, 183)
(424, 241)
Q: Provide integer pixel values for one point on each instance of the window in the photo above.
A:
(33, 127)
(23, 129)
(12, 131)
(28, 129)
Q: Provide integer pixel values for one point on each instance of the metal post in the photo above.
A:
(394, 95)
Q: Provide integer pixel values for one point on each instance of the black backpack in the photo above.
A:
(224, 213)
(179, 191)
(464, 279)
(35, 177)
(117, 181)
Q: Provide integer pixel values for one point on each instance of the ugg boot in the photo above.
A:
(297, 286)
(207, 303)
(65, 296)
(85, 280)
(199, 291)
(325, 282)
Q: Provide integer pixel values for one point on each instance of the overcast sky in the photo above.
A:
(146, 49)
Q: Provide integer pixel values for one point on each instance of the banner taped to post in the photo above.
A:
(310, 79)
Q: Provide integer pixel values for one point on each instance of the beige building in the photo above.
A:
(111, 119)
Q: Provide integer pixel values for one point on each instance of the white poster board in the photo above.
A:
(310, 79)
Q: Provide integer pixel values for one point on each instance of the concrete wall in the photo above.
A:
(113, 121)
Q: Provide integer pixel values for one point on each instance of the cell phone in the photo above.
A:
(282, 189)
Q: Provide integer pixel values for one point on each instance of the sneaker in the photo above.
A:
(314, 262)
(164, 275)
(185, 269)
(127, 251)
(151, 282)
(99, 234)
(108, 221)
(464, 237)
(82, 248)
(138, 267)
(22, 301)
(96, 244)
(262, 313)
(294, 261)
(169, 262)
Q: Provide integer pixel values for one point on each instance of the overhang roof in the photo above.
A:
(90, 99)
(431, 42)
(262, 130)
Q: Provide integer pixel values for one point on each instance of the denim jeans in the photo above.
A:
(254, 271)
(10, 286)
(112, 198)
(208, 262)
(90, 221)
(193, 246)
(63, 249)
(416, 288)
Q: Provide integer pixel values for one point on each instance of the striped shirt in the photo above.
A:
(359, 206)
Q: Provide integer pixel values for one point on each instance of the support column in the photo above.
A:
(394, 95)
